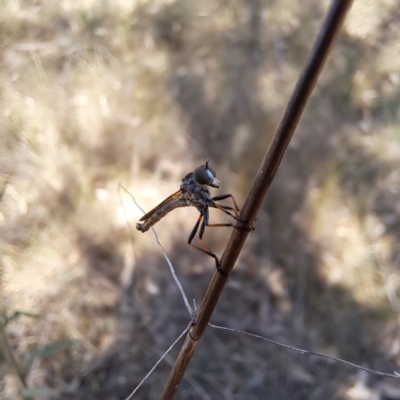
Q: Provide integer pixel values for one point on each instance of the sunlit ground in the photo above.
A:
(95, 94)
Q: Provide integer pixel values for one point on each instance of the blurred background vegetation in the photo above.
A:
(96, 93)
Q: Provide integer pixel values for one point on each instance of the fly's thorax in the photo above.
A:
(188, 180)
(188, 177)
(202, 194)
(188, 184)
(198, 195)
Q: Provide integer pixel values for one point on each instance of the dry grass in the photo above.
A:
(95, 93)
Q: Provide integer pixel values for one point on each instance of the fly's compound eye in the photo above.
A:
(202, 176)
(214, 174)
(206, 167)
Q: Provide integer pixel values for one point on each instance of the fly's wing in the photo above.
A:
(153, 216)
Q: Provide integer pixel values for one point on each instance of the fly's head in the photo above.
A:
(205, 175)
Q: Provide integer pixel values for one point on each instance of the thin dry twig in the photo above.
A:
(266, 173)
(158, 362)
(191, 311)
(308, 352)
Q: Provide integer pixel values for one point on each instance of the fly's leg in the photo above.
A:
(243, 226)
(206, 249)
(235, 209)
(226, 196)
(225, 209)
(203, 219)
(202, 229)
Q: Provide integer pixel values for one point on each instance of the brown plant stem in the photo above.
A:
(266, 173)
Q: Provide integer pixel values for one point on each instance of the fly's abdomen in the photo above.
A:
(154, 216)
(151, 220)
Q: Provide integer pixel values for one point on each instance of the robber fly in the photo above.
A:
(194, 192)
